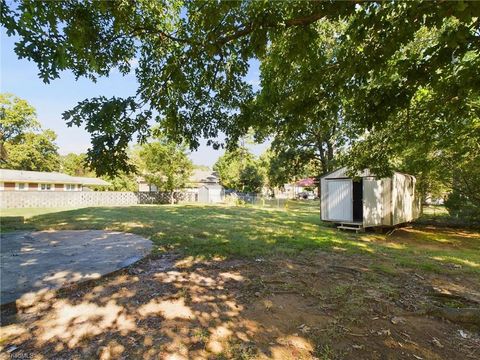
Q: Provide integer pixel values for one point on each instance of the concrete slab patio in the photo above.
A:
(35, 262)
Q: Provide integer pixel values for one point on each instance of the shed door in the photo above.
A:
(339, 203)
(203, 195)
(372, 202)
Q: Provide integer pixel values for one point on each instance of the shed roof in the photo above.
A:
(342, 173)
(212, 186)
(47, 177)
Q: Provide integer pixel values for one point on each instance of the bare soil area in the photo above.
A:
(316, 305)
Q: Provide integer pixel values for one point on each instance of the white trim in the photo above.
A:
(17, 186)
(2, 186)
(52, 187)
(70, 187)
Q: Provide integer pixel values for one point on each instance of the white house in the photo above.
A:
(366, 200)
(22, 180)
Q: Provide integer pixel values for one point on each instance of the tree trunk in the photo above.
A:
(172, 198)
(330, 155)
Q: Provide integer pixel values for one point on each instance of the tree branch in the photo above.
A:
(248, 28)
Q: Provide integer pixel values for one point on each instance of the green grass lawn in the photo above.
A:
(250, 231)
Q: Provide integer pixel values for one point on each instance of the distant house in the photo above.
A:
(21, 180)
(143, 185)
(204, 184)
(294, 189)
(203, 177)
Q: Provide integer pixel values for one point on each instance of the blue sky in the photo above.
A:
(20, 78)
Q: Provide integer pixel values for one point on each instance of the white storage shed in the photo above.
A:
(211, 193)
(366, 200)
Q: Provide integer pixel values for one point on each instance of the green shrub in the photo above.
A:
(461, 207)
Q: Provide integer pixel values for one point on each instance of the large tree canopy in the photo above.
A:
(25, 145)
(193, 57)
(164, 164)
(300, 104)
(17, 116)
(240, 170)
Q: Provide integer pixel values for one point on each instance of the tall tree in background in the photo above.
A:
(239, 170)
(286, 167)
(17, 117)
(435, 136)
(122, 182)
(34, 151)
(165, 164)
(75, 165)
(26, 145)
(300, 103)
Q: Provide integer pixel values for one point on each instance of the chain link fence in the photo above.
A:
(261, 201)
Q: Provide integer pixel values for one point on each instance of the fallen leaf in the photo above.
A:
(304, 328)
(268, 304)
(397, 320)
(384, 332)
(437, 343)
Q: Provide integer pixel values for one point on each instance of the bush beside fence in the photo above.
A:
(43, 199)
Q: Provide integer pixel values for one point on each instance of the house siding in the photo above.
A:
(33, 186)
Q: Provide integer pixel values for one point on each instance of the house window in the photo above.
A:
(70, 187)
(22, 186)
(45, 187)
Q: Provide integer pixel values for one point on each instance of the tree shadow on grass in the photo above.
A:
(221, 231)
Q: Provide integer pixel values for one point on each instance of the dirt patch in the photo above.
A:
(317, 305)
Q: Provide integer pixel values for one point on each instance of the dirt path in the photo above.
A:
(320, 305)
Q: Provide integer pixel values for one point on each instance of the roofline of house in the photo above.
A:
(66, 179)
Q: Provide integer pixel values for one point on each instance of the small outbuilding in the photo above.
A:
(211, 193)
(366, 200)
